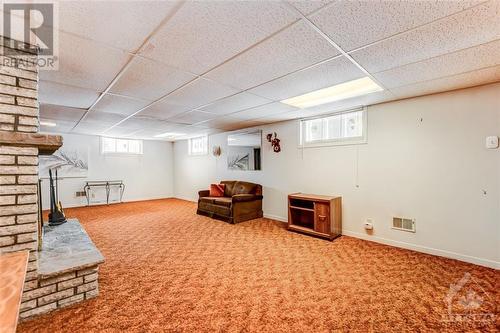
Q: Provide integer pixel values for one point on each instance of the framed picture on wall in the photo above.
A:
(70, 163)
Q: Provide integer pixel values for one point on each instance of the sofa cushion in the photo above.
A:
(244, 188)
(217, 190)
(223, 201)
(246, 197)
(215, 209)
(209, 200)
(220, 201)
(228, 191)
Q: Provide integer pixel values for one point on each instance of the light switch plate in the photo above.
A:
(492, 142)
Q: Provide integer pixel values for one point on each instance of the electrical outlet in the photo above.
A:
(369, 224)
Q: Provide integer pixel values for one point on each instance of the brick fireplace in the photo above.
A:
(52, 281)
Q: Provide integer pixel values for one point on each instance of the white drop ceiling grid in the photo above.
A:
(199, 67)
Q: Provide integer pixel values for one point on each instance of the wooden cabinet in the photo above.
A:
(316, 215)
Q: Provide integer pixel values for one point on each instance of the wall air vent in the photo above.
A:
(404, 224)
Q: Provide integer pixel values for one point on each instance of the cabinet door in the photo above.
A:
(322, 217)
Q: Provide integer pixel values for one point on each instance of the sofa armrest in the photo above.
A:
(204, 193)
(246, 197)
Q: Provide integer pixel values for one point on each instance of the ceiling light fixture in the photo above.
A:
(47, 123)
(334, 93)
(169, 135)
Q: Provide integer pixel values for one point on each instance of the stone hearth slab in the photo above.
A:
(65, 248)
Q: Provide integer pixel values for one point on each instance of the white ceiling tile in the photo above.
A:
(292, 49)
(109, 21)
(235, 103)
(352, 24)
(62, 126)
(120, 132)
(107, 118)
(224, 123)
(308, 6)
(263, 111)
(90, 127)
(199, 93)
(163, 110)
(57, 112)
(143, 122)
(55, 93)
(119, 104)
(486, 55)
(469, 28)
(474, 78)
(150, 80)
(203, 34)
(283, 116)
(321, 76)
(192, 117)
(85, 63)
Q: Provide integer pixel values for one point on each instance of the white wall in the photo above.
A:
(147, 176)
(425, 159)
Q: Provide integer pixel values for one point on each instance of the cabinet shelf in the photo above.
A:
(315, 215)
(302, 208)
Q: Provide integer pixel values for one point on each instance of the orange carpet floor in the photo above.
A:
(170, 270)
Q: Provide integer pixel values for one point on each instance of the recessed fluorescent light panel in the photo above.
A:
(47, 123)
(334, 93)
(169, 135)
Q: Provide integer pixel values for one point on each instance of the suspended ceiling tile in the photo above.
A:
(224, 123)
(281, 117)
(464, 80)
(286, 52)
(263, 111)
(55, 93)
(469, 28)
(199, 93)
(120, 132)
(352, 24)
(107, 118)
(58, 112)
(85, 63)
(142, 122)
(321, 76)
(192, 117)
(109, 21)
(486, 55)
(203, 34)
(163, 110)
(120, 104)
(235, 103)
(150, 80)
(248, 124)
(306, 7)
(90, 127)
(62, 126)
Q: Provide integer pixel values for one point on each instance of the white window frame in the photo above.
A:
(335, 142)
(205, 148)
(115, 152)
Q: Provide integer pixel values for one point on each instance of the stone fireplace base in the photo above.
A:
(67, 270)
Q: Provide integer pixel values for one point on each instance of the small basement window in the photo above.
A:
(121, 146)
(338, 129)
(198, 146)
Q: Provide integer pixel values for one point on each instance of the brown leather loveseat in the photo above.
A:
(242, 201)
